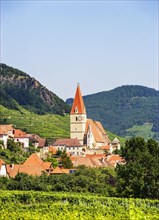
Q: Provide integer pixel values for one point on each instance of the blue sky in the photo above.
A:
(99, 44)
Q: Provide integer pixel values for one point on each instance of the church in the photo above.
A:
(88, 132)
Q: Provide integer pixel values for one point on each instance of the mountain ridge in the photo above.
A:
(19, 88)
(119, 109)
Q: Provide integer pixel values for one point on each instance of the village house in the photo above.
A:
(32, 166)
(21, 137)
(3, 168)
(6, 132)
(71, 145)
(38, 143)
(88, 132)
(89, 160)
(97, 160)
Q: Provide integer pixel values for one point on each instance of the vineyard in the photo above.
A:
(43, 205)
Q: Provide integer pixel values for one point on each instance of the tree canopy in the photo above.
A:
(139, 177)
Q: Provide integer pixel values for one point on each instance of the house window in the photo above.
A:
(76, 119)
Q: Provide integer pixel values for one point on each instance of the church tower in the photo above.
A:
(78, 117)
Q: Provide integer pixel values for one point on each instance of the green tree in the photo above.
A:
(53, 161)
(139, 177)
(65, 160)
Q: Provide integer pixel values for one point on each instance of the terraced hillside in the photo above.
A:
(48, 125)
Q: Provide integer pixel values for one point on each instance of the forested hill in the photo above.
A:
(123, 108)
(18, 88)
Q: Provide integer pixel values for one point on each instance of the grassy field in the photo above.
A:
(112, 136)
(141, 131)
(48, 126)
(33, 205)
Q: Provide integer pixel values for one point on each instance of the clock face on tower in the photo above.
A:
(79, 118)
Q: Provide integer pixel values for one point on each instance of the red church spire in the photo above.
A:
(78, 104)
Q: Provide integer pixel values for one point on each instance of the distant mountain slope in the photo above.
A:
(124, 107)
(18, 88)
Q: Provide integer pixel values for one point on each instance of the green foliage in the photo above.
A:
(47, 126)
(139, 177)
(92, 180)
(144, 130)
(53, 160)
(13, 153)
(65, 160)
(18, 88)
(43, 205)
(1, 144)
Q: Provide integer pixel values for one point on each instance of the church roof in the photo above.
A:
(115, 141)
(78, 104)
(97, 133)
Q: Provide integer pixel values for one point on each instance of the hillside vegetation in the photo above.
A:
(122, 108)
(50, 126)
(47, 126)
(18, 88)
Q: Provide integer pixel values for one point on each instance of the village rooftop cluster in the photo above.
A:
(88, 145)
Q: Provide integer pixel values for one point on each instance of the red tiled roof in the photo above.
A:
(98, 131)
(32, 166)
(36, 161)
(1, 162)
(68, 142)
(47, 165)
(34, 170)
(89, 161)
(78, 103)
(5, 128)
(106, 147)
(52, 149)
(95, 155)
(95, 130)
(19, 134)
(113, 157)
(59, 170)
(100, 126)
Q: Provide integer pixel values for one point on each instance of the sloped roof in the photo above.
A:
(1, 163)
(19, 134)
(78, 102)
(100, 126)
(89, 160)
(37, 139)
(95, 130)
(68, 142)
(115, 141)
(31, 169)
(33, 159)
(59, 170)
(5, 128)
(36, 161)
(113, 159)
